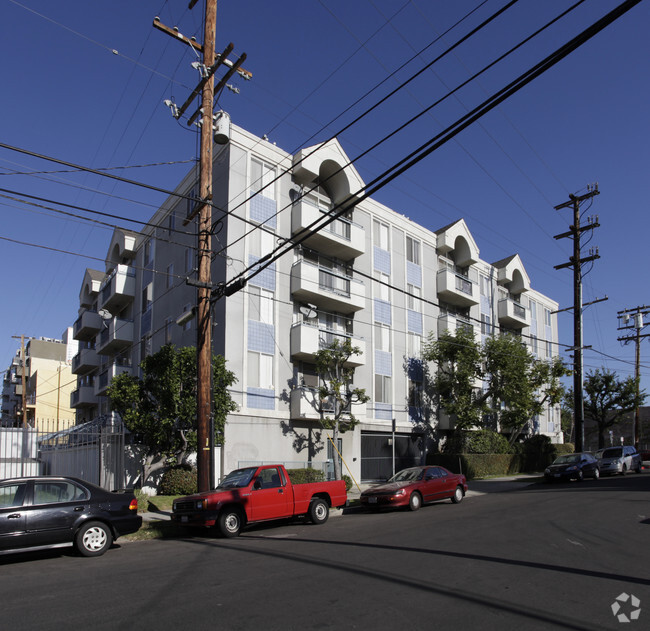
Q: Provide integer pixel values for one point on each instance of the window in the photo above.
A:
(147, 297)
(382, 290)
(261, 242)
(191, 203)
(485, 286)
(380, 231)
(170, 276)
(547, 317)
(168, 331)
(414, 345)
(55, 492)
(260, 370)
(148, 251)
(549, 349)
(189, 260)
(413, 295)
(382, 337)
(415, 393)
(412, 250)
(12, 495)
(486, 326)
(171, 222)
(188, 325)
(262, 176)
(382, 389)
(260, 304)
(533, 343)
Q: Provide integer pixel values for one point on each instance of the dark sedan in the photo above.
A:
(572, 467)
(415, 486)
(55, 511)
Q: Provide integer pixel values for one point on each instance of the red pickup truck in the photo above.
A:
(255, 494)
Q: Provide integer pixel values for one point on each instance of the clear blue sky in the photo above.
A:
(85, 82)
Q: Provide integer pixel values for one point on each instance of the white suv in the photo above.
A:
(619, 460)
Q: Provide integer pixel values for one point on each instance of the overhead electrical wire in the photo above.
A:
(436, 141)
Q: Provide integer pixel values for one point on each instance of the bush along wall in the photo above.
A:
(304, 476)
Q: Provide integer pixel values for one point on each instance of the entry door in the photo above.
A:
(271, 499)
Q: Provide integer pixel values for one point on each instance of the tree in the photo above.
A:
(160, 407)
(608, 399)
(458, 359)
(500, 379)
(336, 393)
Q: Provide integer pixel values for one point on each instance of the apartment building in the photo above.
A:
(371, 275)
(48, 382)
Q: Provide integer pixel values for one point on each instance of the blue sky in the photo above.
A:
(85, 82)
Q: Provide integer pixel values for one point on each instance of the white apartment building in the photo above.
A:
(373, 276)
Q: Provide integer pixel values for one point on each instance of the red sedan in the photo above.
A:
(414, 486)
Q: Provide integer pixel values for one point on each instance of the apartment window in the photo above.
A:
(486, 324)
(549, 349)
(262, 176)
(413, 295)
(533, 343)
(382, 289)
(188, 325)
(191, 203)
(261, 242)
(414, 345)
(415, 391)
(547, 317)
(380, 231)
(170, 276)
(260, 370)
(147, 297)
(168, 331)
(189, 260)
(382, 337)
(382, 389)
(171, 222)
(412, 250)
(148, 251)
(485, 286)
(260, 304)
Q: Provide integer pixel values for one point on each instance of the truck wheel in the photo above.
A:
(230, 522)
(93, 539)
(319, 511)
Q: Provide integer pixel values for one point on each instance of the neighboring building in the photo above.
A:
(373, 276)
(48, 384)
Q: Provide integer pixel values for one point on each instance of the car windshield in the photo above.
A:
(613, 452)
(238, 479)
(407, 475)
(567, 459)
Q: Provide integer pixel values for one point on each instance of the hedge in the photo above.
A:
(304, 476)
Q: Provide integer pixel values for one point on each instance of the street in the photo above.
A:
(539, 557)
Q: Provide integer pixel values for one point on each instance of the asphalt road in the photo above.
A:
(540, 557)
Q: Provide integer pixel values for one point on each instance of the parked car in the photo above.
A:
(621, 459)
(256, 494)
(645, 459)
(415, 486)
(575, 466)
(54, 511)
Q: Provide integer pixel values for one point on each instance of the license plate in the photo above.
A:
(184, 518)
(372, 500)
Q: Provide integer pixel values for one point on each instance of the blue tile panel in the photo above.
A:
(382, 260)
(266, 278)
(263, 209)
(384, 411)
(382, 311)
(261, 337)
(415, 322)
(383, 363)
(413, 274)
(260, 398)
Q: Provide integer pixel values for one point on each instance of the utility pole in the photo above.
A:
(576, 262)
(635, 314)
(24, 378)
(203, 208)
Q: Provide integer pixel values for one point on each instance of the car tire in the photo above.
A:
(596, 474)
(319, 511)
(415, 501)
(580, 477)
(624, 470)
(458, 495)
(93, 539)
(638, 468)
(230, 522)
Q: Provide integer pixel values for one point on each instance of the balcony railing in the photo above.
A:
(305, 404)
(86, 325)
(115, 337)
(456, 289)
(513, 314)
(118, 289)
(307, 340)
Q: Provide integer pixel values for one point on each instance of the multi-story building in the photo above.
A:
(48, 383)
(371, 275)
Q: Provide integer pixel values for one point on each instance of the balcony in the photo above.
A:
(307, 340)
(87, 326)
(304, 405)
(115, 337)
(456, 289)
(449, 322)
(83, 397)
(118, 290)
(341, 238)
(512, 314)
(112, 370)
(324, 288)
(85, 361)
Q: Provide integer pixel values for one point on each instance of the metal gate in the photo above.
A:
(377, 454)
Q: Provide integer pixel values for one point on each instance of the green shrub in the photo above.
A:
(348, 482)
(143, 500)
(477, 465)
(304, 476)
(178, 481)
(486, 441)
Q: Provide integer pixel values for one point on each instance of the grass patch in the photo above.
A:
(155, 503)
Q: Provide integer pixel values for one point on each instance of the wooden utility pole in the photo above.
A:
(24, 377)
(576, 263)
(636, 315)
(203, 208)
